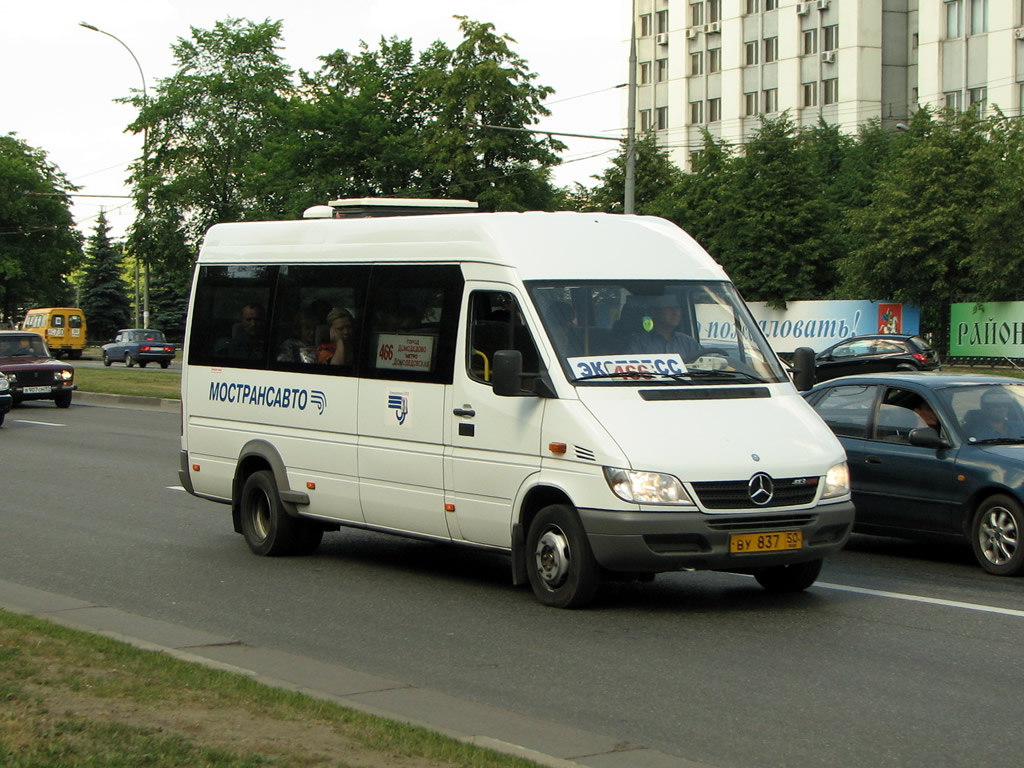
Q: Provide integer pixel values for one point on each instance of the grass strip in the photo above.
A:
(70, 698)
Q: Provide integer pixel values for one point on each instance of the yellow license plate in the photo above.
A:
(772, 541)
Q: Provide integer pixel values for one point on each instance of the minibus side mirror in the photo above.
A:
(803, 368)
(507, 373)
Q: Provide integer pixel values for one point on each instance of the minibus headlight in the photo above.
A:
(837, 481)
(646, 487)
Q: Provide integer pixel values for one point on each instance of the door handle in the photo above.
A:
(872, 460)
(466, 410)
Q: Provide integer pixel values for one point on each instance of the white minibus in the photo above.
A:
(586, 392)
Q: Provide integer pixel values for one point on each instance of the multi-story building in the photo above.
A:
(721, 64)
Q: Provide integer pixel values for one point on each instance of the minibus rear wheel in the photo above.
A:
(560, 563)
(789, 578)
(267, 527)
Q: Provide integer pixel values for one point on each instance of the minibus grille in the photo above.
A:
(735, 494)
(761, 523)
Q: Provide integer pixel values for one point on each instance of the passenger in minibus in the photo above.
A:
(341, 327)
(299, 347)
(246, 341)
(659, 334)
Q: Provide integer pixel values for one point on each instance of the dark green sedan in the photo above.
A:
(934, 455)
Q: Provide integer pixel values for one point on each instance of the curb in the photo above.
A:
(100, 398)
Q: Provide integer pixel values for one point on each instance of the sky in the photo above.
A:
(59, 80)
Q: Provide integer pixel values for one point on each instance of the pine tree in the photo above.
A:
(104, 295)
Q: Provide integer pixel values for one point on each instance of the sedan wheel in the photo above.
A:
(995, 535)
(128, 360)
(106, 359)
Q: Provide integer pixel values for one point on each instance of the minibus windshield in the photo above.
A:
(654, 331)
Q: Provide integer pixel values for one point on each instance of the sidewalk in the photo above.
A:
(534, 739)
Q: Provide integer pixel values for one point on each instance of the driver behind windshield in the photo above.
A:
(659, 334)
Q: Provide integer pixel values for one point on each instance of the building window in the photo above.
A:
(953, 100)
(811, 94)
(645, 73)
(771, 100)
(645, 25)
(979, 16)
(954, 18)
(697, 13)
(696, 112)
(753, 7)
(661, 115)
(976, 99)
(714, 59)
(714, 10)
(831, 37)
(750, 104)
(810, 42)
(751, 53)
(830, 91)
(771, 5)
(662, 22)
(661, 74)
(645, 120)
(697, 63)
(771, 49)
(714, 110)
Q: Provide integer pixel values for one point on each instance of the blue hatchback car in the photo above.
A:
(934, 455)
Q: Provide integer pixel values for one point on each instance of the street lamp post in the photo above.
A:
(145, 172)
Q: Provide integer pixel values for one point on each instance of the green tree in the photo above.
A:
(104, 296)
(207, 123)
(39, 245)
(656, 179)
(914, 239)
(771, 224)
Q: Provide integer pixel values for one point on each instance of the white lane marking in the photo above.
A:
(922, 599)
(40, 423)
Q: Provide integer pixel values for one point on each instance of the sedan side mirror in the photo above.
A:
(926, 437)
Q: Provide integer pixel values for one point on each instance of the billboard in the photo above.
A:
(820, 324)
(992, 329)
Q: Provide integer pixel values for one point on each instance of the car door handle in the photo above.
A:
(466, 410)
(872, 460)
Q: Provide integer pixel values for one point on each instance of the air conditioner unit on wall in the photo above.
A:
(691, 33)
(1019, 33)
(829, 57)
(712, 28)
(822, 5)
(662, 38)
(803, 9)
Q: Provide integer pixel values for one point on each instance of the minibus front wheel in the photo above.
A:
(267, 526)
(561, 566)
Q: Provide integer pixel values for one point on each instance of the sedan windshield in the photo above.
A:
(988, 413)
(29, 345)
(653, 332)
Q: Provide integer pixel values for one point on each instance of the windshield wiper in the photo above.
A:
(738, 375)
(998, 441)
(627, 375)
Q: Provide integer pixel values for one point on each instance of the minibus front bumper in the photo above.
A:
(654, 542)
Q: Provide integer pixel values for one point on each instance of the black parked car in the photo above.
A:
(139, 345)
(934, 455)
(32, 371)
(874, 353)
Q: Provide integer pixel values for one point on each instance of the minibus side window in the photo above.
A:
(412, 320)
(229, 316)
(308, 301)
(496, 322)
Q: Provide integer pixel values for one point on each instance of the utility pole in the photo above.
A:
(629, 193)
